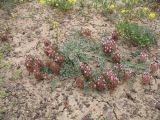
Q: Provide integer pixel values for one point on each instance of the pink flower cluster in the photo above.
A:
(86, 71)
(100, 83)
(108, 46)
(112, 79)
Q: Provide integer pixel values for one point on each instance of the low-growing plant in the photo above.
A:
(77, 50)
(17, 74)
(82, 3)
(82, 55)
(154, 67)
(145, 78)
(8, 5)
(5, 49)
(1, 81)
(131, 3)
(5, 34)
(101, 3)
(107, 7)
(60, 4)
(137, 35)
(1, 56)
(2, 112)
(3, 94)
(85, 60)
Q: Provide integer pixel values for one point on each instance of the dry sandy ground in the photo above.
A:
(29, 100)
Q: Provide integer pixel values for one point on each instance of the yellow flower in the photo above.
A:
(13, 15)
(136, 1)
(56, 4)
(72, 1)
(123, 11)
(21, 1)
(152, 15)
(145, 9)
(42, 2)
(112, 7)
(55, 24)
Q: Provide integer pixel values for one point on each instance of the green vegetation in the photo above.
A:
(3, 94)
(7, 5)
(101, 3)
(17, 74)
(83, 56)
(137, 35)
(60, 4)
(4, 50)
(2, 112)
(1, 81)
(78, 49)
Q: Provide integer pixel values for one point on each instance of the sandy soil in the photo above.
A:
(29, 100)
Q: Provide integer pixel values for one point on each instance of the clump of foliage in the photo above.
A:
(130, 3)
(128, 9)
(5, 36)
(5, 49)
(8, 5)
(60, 4)
(85, 60)
(3, 94)
(77, 50)
(137, 35)
(101, 3)
(17, 74)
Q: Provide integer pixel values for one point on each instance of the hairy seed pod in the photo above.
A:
(59, 59)
(127, 74)
(110, 76)
(29, 58)
(154, 67)
(143, 57)
(93, 85)
(100, 83)
(29, 63)
(4, 37)
(116, 57)
(49, 52)
(79, 82)
(112, 84)
(47, 43)
(114, 35)
(38, 76)
(112, 80)
(108, 46)
(47, 63)
(86, 71)
(146, 78)
(86, 32)
(38, 63)
(29, 66)
(55, 68)
(118, 67)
